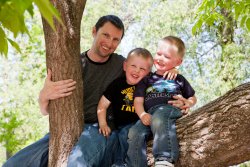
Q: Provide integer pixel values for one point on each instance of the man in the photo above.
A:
(100, 66)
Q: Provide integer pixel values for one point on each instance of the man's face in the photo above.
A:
(106, 39)
(136, 68)
(166, 57)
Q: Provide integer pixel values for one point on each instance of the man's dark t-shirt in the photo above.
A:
(96, 78)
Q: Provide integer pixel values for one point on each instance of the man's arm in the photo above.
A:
(54, 90)
(183, 103)
(139, 109)
(103, 105)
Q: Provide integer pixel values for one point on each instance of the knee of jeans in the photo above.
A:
(157, 122)
(134, 134)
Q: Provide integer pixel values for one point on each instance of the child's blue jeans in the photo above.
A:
(121, 152)
(165, 143)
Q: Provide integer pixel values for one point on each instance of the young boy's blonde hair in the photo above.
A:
(176, 42)
(141, 52)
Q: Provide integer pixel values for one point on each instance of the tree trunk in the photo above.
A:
(63, 58)
(217, 134)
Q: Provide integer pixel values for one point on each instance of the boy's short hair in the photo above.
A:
(176, 42)
(116, 21)
(142, 52)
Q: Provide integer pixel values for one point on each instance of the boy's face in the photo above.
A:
(106, 39)
(136, 67)
(166, 57)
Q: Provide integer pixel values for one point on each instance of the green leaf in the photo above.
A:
(12, 18)
(202, 6)
(210, 20)
(243, 20)
(3, 43)
(48, 11)
(14, 44)
(238, 10)
(248, 24)
(30, 10)
(197, 26)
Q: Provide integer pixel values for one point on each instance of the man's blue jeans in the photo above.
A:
(165, 143)
(91, 150)
(35, 155)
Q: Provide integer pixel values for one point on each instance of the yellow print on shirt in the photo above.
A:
(128, 99)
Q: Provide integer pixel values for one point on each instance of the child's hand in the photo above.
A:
(146, 118)
(104, 129)
(171, 74)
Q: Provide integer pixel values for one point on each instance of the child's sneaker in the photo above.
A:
(119, 165)
(163, 164)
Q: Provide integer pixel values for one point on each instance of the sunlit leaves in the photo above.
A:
(3, 42)
(48, 11)
(209, 13)
(12, 15)
(14, 45)
(12, 19)
(22, 77)
(248, 23)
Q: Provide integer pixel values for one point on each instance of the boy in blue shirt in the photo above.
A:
(156, 116)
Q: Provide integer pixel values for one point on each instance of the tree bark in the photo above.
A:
(63, 58)
(217, 134)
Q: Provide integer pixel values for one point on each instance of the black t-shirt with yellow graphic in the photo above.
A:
(120, 94)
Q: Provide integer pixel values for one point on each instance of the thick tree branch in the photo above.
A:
(217, 134)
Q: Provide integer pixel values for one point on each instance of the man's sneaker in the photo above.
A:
(163, 164)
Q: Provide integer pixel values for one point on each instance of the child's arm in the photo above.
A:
(139, 109)
(101, 114)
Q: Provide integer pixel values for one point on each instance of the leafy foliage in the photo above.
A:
(22, 77)
(12, 19)
(210, 14)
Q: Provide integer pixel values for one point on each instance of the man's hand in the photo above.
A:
(183, 103)
(54, 90)
(179, 102)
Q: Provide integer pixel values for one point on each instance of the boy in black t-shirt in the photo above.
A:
(156, 117)
(119, 94)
